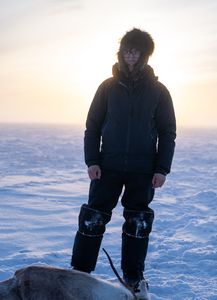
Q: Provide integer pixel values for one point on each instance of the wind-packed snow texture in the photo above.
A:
(43, 183)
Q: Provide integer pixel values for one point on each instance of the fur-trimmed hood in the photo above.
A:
(139, 40)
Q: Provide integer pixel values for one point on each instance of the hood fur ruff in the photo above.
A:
(139, 40)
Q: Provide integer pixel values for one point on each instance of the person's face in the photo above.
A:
(131, 57)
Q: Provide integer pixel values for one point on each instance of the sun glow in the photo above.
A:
(94, 64)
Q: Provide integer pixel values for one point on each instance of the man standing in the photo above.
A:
(129, 143)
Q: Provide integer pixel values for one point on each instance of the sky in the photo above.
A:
(55, 53)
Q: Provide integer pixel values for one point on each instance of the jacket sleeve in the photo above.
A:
(94, 122)
(166, 127)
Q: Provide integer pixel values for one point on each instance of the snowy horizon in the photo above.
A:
(82, 125)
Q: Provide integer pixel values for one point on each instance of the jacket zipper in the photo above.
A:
(128, 128)
(129, 92)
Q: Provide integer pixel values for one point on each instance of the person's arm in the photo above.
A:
(166, 127)
(92, 137)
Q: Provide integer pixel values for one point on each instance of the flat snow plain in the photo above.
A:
(43, 182)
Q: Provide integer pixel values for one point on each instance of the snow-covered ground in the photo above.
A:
(43, 182)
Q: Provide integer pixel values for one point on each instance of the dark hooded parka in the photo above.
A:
(131, 123)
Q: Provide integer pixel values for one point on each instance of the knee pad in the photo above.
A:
(92, 222)
(138, 224)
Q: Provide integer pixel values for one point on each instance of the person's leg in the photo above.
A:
(138, 224)
(93, 217)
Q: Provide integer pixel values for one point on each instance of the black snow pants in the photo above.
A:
(103, 197)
